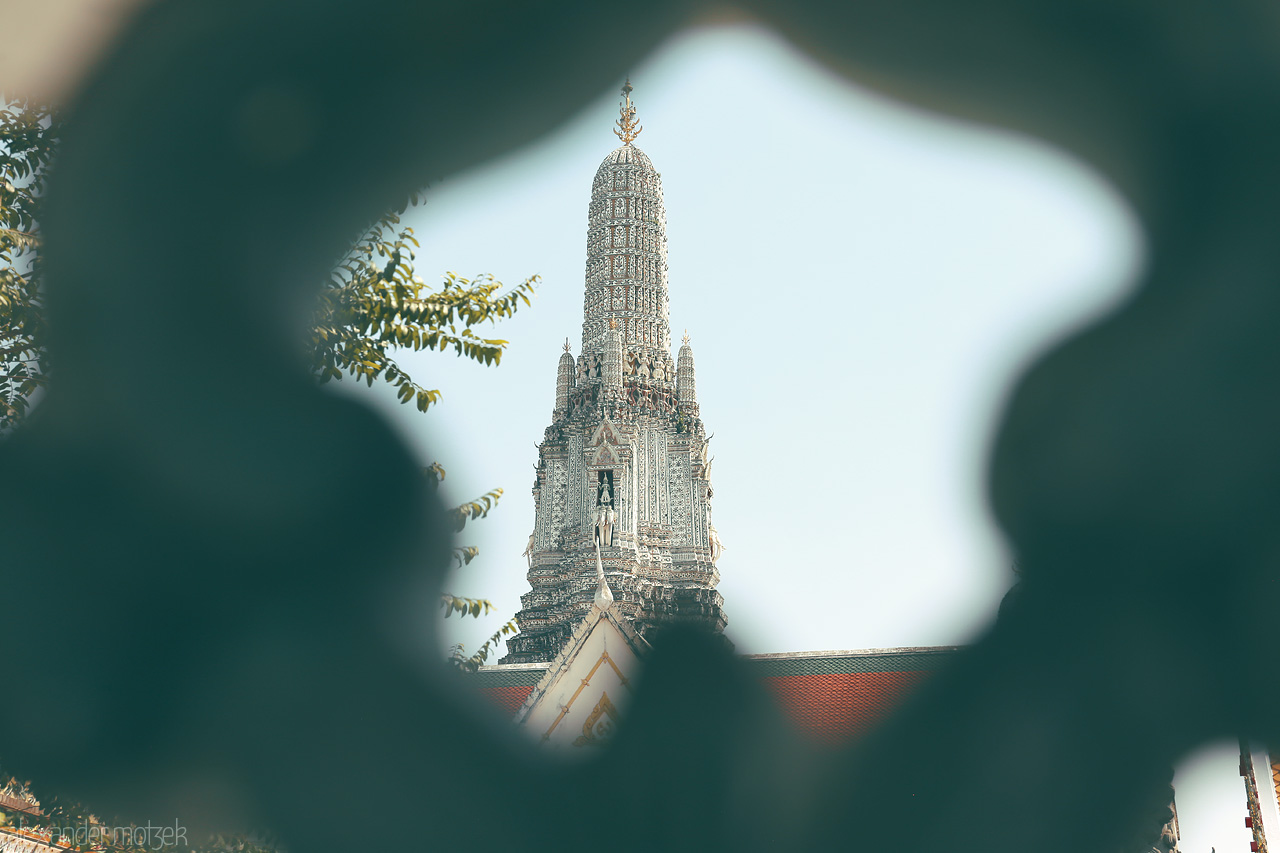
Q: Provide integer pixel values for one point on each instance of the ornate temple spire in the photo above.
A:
(626, 277)
(622, 490)
(627, 127)
(686, 389)
(564, 381)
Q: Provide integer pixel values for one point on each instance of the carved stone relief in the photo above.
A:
(577, 480)
(559, 489)
(681, 508)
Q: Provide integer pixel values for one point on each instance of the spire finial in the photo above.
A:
(627, 127)
(566, 344)
(604, 595)
(686, 337)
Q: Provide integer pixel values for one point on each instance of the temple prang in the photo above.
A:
(624, 464)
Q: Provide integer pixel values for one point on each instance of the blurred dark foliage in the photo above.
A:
(28, 141)
(205, 584)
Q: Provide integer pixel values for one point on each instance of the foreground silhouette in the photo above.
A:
(213, 604)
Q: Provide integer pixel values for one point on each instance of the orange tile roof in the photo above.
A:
(506, 699)
(831, 696)
(837, 707)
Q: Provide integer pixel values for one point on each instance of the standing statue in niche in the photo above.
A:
(657, 370)
(643, 369)
(605, 516)
(528, 552)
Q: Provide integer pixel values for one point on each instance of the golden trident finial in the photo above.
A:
(627, 127)
(566, 344)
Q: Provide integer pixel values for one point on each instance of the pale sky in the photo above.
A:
(861, 282)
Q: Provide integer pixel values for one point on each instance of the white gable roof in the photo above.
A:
(588, 685)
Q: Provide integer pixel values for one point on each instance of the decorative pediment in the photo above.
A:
(600, 723)
(605, 434)
(581, 698)
(604, 455)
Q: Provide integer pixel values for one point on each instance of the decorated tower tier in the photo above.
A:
(625, 461)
